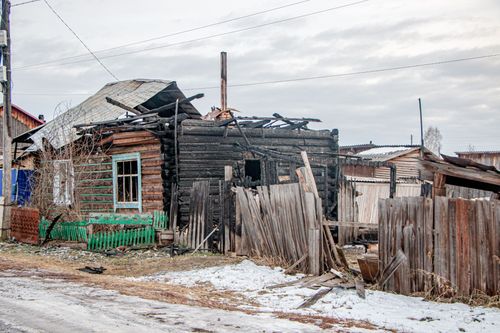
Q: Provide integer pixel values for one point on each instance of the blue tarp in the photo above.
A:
(21, 187)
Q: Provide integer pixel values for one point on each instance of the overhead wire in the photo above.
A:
(178, 32)
(368, 71)
(81, 41)
(320, 77)
(206, 26)
(24, 3)
(54, 62)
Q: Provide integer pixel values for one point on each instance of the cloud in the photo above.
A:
(462, 99)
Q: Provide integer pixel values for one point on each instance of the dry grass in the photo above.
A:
(130, 264)
(119, 268)
(175, 294)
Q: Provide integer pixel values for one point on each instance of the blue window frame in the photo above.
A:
(127, 186)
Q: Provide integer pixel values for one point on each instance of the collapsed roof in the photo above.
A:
(138, 94)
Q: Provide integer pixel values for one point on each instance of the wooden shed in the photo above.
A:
(404, 158)
(490, 157)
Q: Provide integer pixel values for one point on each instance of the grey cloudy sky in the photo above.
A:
(462, 99)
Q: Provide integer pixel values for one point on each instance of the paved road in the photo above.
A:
(42, 305)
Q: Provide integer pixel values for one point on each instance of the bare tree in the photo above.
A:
(432, 139)
(59, 170)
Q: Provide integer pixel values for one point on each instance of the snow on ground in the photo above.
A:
(30, 304)
(390, 311)
(245, 276)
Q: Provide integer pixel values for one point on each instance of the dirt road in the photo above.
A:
(32, 304)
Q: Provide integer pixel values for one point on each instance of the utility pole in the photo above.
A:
(223, 81)
(7, 121)
(421, 129)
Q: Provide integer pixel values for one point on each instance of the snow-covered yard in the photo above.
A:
(53, 306)
(389, 311)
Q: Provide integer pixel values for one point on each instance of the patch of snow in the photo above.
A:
(385, 310)
(390, 311)
(245, 276)
(383, 151)
(38, 305)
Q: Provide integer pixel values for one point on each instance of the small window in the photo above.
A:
(252, 170)
(127, 181)
(64, 180)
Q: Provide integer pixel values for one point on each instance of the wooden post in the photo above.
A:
(223, 81)
(227, 206)
(7, 124)
(393, 175)
(438, 187)
(176, 153)
(421, 129)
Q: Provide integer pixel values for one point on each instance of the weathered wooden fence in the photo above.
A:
(283, 223)
(107, 231)
(347, 211)
(199, 216)
(447, 243)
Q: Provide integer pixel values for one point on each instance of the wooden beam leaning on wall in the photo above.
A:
(328, 246)
(315, 232)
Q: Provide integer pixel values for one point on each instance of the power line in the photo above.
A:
(176, 33)
(319, 77)
(206, 26)
(81, 41)
(369, 71)
(24, 3)
(179, 32)
(50, 64)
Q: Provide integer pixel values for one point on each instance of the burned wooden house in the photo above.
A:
(147, 149)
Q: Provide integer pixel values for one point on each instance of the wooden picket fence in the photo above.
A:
(135, 230)
(347, 211)
(68, 231)
(451, 245)
(113, 239)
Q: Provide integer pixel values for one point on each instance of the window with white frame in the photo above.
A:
(127, 181)
(64, 179)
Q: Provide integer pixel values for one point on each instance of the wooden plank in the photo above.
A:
(309, 174)
(399, 219)
(481, 269)
(441, 246)
(237, 234)
(407, 271)
(351, 224)
(391, 268)
(493, 262)
(315, 298)
(462, 248)
(428, 220)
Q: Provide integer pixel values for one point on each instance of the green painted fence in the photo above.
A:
(69, 231)
(114, 239)
(160, 220)
(122, 219)
(78, 231)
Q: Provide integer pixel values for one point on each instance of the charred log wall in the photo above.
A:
(204, 149)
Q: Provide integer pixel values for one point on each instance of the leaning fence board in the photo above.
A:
(198, 215)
